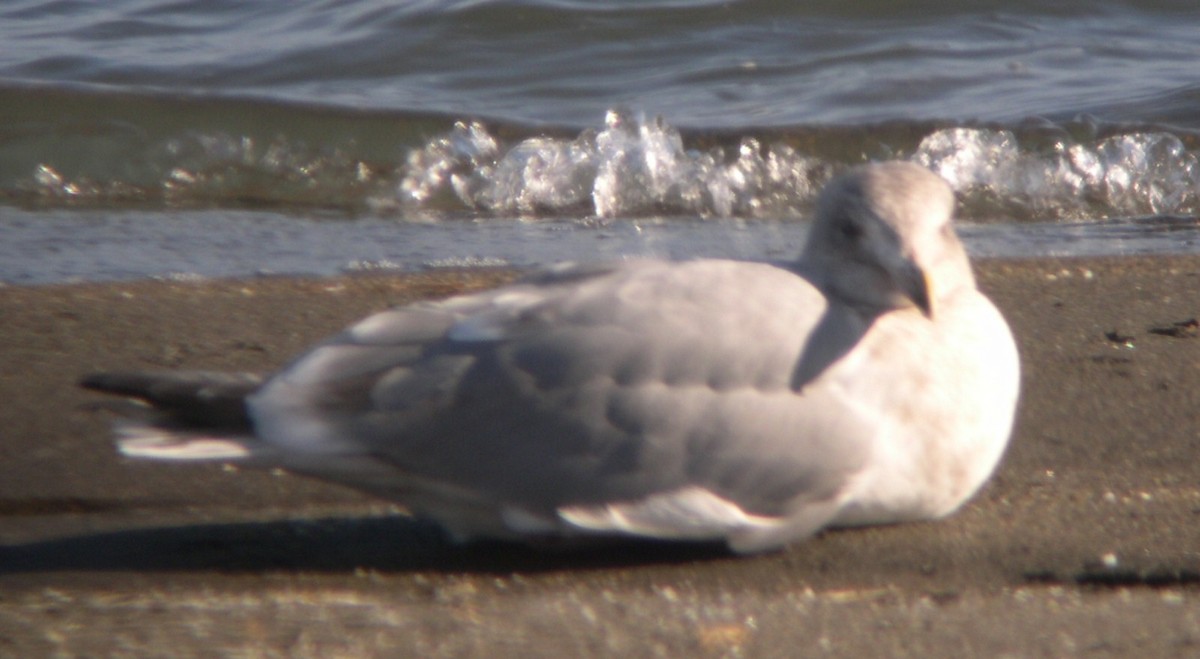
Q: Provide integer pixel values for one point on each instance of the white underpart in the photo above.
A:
(137, 441)
(691, 513)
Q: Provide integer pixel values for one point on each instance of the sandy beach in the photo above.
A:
(1087, 540)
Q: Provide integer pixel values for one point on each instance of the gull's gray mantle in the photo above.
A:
(869, 382)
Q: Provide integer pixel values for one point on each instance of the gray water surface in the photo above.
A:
(114, 246)
(148, 137)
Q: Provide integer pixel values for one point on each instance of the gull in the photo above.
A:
(868, 382)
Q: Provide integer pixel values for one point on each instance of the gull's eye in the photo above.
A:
(849, 229)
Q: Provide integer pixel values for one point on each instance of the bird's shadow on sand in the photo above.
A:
(330, 545)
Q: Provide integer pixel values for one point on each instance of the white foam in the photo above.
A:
(1130, 174)
(629, 167)
(633, 167)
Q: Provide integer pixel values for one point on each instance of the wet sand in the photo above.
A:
(1087, 541)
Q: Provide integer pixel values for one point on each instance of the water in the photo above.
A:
(178, 138)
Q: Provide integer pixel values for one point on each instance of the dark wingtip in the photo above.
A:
(193, 398)
(93, 381)
(125, 384)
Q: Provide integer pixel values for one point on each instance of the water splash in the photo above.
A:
(1123, 175)
(627, 166)
(630, 167)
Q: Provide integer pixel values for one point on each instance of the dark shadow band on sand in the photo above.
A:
(330, 545)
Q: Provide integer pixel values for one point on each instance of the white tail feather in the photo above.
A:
(152, 443)
(691, 513)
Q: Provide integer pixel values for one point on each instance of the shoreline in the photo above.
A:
(1086, 538)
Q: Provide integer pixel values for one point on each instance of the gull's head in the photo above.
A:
(883, 239)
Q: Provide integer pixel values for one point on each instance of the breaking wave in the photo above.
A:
(422, 167)
(630, 167)
(633, 167)
(1152, 173)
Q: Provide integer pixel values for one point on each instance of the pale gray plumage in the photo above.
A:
(870, 382)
